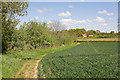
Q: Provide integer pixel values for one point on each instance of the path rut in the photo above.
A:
(31, 71)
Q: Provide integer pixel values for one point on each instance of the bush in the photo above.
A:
(32, 35)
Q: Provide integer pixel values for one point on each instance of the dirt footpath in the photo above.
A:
(29, 70)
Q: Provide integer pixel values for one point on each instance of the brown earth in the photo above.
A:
(31, 71)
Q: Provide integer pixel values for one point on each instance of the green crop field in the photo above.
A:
(86, 60)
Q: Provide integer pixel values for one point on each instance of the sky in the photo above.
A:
(73, 0)
(101, 16)
(61, 0)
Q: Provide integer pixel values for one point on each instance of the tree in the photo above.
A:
(39, 35)
(56, 26)
(97, 31)
(119, 33)
(83, 31)
(10, 11)
(112, 32)
(79, 32)
(94, 32)
(90, 32)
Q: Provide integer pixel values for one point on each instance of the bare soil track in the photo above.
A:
(31, 71)
(23, 67)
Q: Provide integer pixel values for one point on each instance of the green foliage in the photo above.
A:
(112, 32)
(90, 32)
(77, 32)
(37, 35)
(106, 35)
(32, 35)
(69, 40)
(10, 66)
(9, 12)
(87, 60)
(95, 33)
(64, 37)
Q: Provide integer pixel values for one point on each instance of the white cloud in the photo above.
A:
(69, 22)
(102, 12)
(81, 0)
(39, 11)
(67, 14)
(105, 12)
(99, 19)
(43, 10)
(70, 6)
(110, 18)
(104, 24)
(36, 17)
(110, 14)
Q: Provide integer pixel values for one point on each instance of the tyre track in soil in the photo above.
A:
(20, 71)
(32, 71)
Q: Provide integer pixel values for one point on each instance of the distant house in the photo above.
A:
(84, 35)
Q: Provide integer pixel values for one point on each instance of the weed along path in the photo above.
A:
(29, 69)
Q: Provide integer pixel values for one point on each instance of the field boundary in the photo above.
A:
(98, 40)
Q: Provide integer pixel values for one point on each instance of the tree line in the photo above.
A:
(37, 35)
(40, 35)
(94, 33)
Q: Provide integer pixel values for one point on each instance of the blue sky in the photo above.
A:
(89, 15)
(73, 0)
